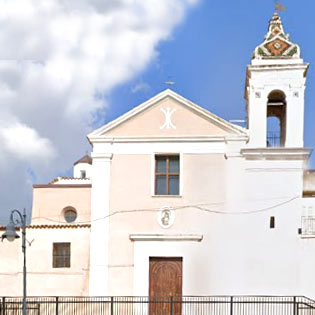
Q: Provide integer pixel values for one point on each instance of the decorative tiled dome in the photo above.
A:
(277, 44)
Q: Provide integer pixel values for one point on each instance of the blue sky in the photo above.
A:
(209, 52)
(56, 56)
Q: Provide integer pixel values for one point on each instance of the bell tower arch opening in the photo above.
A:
(276, 119)
(274, 91)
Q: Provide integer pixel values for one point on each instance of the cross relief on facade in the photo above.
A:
(168, 112)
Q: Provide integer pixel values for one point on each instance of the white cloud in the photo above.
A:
(24, 143)
(55, 56)
(140, 87)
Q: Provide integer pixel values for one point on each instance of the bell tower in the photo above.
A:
(274, 91)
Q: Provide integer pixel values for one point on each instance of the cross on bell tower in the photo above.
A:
(279, 6)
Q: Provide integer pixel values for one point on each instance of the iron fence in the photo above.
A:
(185, 305)
(273, 139)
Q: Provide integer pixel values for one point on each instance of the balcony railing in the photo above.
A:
(308, 225)
(273, 139)
(184, 305)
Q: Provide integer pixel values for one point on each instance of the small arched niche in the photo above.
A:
(276, 119)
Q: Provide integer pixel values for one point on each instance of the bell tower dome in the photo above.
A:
(275, 85)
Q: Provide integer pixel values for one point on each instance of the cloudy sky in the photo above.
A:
(69, 66)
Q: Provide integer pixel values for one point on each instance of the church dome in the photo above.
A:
(277, 44)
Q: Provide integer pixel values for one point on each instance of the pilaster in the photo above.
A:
(99, 243)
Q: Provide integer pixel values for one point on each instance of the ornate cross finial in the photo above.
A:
(169, 83)
(279, 6)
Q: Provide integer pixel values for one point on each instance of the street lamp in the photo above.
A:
(10, 234)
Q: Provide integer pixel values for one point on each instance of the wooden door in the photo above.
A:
(165, 283)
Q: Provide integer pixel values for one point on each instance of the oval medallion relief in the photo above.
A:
(166, 217)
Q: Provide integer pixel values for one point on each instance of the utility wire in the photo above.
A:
(200, 207)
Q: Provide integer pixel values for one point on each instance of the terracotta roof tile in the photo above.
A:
(63, 186)
(68, 178)
(51, 226)
(85, 159)
(58, 226)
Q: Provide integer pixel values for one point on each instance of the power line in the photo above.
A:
(200, 207)
(252, 211)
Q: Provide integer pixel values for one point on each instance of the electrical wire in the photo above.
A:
(200, 207)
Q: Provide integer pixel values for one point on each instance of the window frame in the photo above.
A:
(167, 173)
(66, 211)
(66, 262)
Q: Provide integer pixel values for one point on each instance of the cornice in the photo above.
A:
(228, 138)
(63, 186)
(166, 237)
(278, 66)
(276, 153)
(102, 156)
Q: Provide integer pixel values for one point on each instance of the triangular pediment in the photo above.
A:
(167, 115)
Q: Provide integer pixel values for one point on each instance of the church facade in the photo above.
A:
(177, 201)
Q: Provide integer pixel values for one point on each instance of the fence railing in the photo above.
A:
(308, 225)
(183, 305)
(273, 139)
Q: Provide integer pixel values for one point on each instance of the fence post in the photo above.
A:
(171, 311)
(294, 305)
(231, 306)
(296, 308)
(3, 306)
(112, 305)
(57, 305)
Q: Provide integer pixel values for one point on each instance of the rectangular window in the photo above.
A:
(272, 222)
(167, 174)
(61, 255)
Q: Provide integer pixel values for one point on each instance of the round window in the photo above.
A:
(70, 216)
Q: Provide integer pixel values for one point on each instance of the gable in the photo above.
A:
(167, 118)
(167, 115)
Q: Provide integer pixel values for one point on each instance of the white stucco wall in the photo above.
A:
(229, 189)
(82, 167)
(42, 278)
(239, 253)
(49, 226)
(265, 76)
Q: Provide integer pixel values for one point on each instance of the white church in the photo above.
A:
(176, 201)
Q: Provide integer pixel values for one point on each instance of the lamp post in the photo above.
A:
(10, 234)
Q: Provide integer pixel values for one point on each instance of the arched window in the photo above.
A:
(276, 119)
